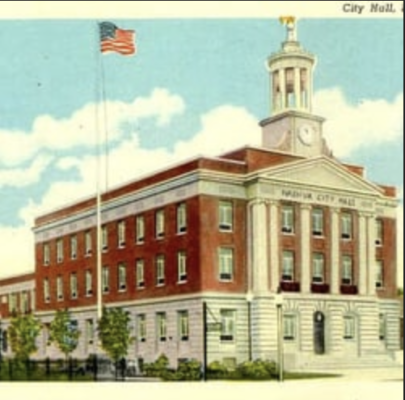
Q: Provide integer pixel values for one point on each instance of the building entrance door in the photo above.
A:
(319, 333)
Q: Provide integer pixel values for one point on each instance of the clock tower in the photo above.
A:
(293, 128)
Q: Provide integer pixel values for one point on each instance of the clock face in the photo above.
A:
(306, 133)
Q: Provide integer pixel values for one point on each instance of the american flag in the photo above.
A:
(114, 39)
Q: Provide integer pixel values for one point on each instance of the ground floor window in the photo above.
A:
(382, 326)
(349, 328)
(228, 324)
(290, 327)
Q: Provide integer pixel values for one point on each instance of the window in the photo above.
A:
(380, 274)
(382, 326)
(226, 216)
(318, 222)
(287, 220)
(379, 232)
(140, 274)
(12, 303)
(182, 218)
(184, 328)
(228, 325)
(24, 303)
(47, 254)
(88, 244)
(89, 284)
(47, 291)
(318, 268)
(160, 271)
(73, 286)
(121, 234)
(347, 226)
(73, 247)
(59, 288)
(140, 230)
(288, 266)
(104, 238)
(59, 251)
(162, 327)
(90, 331)
(106, 280)
(226, 264)
(141, 319)
(182, 266)
(349, 328)
(289, 327)
(347, 273)
(122, 277)
(160, 224)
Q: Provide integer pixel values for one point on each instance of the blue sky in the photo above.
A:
(195, 86)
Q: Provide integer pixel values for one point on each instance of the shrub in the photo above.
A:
(158, 368)
(257, 370)
(217, 370)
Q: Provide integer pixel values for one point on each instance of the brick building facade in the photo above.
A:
(228, 232)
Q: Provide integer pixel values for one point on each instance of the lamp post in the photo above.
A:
(279, 304)
(249, 299)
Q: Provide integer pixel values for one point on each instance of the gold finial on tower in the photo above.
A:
(291, 23)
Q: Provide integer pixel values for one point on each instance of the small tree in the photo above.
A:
(23, 332)
(64, 333)
(115, 333)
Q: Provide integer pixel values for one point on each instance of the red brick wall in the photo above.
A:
(387, 252)
(211, 239)
(169, 246)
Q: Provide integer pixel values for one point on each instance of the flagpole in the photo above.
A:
(98, 184)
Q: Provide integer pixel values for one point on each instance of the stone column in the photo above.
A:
(283, 88)
(306, 236)
(335, 251)
(363, 262)
(260, 248)
(371, 254)
(275, 245)
(297, 88)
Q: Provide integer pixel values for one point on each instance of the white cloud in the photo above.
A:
(21, 177)
(350, 127)
(79, 130)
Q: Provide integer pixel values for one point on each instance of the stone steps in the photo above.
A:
(334, 363)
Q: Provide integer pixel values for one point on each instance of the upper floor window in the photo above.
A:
(88, 244)
(47, 291)
(59, 288)
(226, 264)
(12, 303)
(73, 287)
(59, 251)
(226, 216)
(379, 232)
(140, 230)
(288, 219)
(318, 268)
(121, 234)
(347, 226)
(89, 283)
(318, 222)
(347, 273)
(24, 302)
(160, 271)
(106, 280)
(380, 274)
(140, 274)
(73, 247)
(182, 266)
(141, 327)
(160, 224)
(182, 218)
(46, 254)
(288, 266)
(104, 238)
(122, 277)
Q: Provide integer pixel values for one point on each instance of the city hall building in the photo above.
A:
(197, 253)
